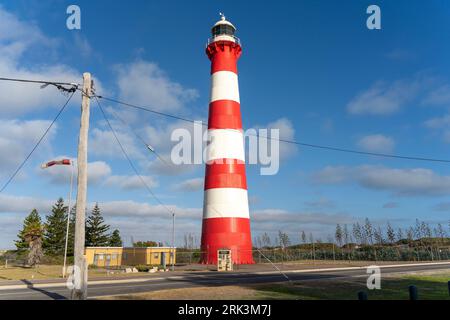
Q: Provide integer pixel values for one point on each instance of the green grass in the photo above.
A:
(430, 287)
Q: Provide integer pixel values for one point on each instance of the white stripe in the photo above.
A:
(225, 203)
(225, 144)
(224, 86)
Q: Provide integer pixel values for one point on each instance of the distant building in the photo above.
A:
(129, 256)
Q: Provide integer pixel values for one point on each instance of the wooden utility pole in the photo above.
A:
(79, 292)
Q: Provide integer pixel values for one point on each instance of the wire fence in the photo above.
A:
(192, 259)
(338, 254)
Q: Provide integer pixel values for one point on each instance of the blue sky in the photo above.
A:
(310, 68)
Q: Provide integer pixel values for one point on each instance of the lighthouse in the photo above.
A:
(226, 220)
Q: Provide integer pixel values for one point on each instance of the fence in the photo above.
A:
(368, 253)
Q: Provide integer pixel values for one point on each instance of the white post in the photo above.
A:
(79, 292)
(68, 218)
(173, 241)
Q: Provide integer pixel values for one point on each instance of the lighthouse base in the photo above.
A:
(226, 233)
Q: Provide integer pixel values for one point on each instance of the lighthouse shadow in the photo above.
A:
(216, 279)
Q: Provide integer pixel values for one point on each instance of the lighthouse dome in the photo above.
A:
(223, 27)
(223, 30)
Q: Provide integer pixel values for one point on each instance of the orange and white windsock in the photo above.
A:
(65, 162)
(226, 220)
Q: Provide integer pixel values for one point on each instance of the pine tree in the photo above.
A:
(378, 235)
(96, 229)
(31, 222)
(338, 235)
(390, 233)
(71, 240)
(357, 233)
(399, 234)
(347, 236)
(303, 237)
(115, 240)
(55, 229)
(368, 231)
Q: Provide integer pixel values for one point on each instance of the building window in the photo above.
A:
(114, 256)
(156, 255)
(100, 256)
(124, 255)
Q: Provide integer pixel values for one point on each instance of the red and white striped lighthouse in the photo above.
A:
(226, 220)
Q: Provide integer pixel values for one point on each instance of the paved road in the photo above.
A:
(186, 280)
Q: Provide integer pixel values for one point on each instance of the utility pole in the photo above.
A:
(79, 291)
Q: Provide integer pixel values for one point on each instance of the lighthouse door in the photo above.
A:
(224, 262)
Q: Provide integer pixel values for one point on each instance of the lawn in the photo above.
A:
(430, 286)
(46, 272)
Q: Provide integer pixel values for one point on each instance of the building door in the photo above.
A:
(224, 262)
(163, 260)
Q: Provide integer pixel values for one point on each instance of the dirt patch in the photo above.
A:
(198, 293)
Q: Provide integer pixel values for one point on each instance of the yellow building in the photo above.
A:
(129, 256)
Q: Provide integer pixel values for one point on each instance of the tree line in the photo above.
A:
(363, 234)
(49, 237)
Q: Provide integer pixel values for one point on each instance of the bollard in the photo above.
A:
(362, 295)
(413, 295)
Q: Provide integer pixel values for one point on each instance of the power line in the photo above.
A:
(304, 144)
(147, 146)
(38, 81)
(145, 109)
(61, 86)
(129, 160)
(37, 144)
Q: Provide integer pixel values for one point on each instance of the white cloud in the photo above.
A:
(438, 96)
(16, 37)
(144, 83)
(98, 171)
(190, 185)
(286, 132)
(82, 45)
(22, 204)
(322, 202)
(404, 182)
(17, 138)
(129, 209)
(390, 205)
(384, 99)
(130, 182)
(103, 143)
(377, 143)
(442, 206)
(440, 124)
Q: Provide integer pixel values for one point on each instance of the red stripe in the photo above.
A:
(224, 114)
(229, 174)
(227, 233)
(223, 56)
